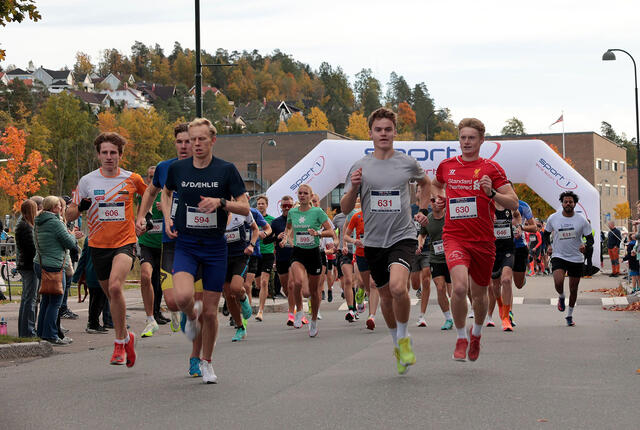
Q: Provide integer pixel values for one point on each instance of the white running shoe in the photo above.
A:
(319, 316)
(421, 322)
(150, 329)
(192, 327)
(470, 314)
(297, 322)
(208, 375)
(175, 322)
(313, 328)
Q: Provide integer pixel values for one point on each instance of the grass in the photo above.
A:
(5, 339)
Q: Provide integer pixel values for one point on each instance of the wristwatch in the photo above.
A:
(493, 193)
(223, 202)
(252, 244)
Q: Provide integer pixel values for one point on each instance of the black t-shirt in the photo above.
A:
(503, 231)
(219, 179)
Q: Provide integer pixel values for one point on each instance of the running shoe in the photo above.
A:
(356, 315)
(130, 349)
(460, 353)
(421, 322)
(323, 295)
(319, 316)
(490, 322)
(419, 293)
(194, 367)
(513, 324)
(208, 375)
(175, 322)
(570, 322)
(313, 328)
(225, 309)
(360, 308)
(371, 323)
(402, 369)
(259, 317)
(117, 358)
(350, 316)
(241, 333)
(360, 296)
(405, 351)
(246, 308)
(506, 324)
(192, 327)
(150, 329)
(470, 314)
(474, 346)
(297, 322)
(330, 295)
(561, 306)
(304, 320)
(290, 320)
(448, 324)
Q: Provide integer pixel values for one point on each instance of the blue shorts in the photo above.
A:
(363, 265)
(634, 273)
(209, 253)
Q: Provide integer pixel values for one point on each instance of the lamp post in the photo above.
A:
(610, 56)
(269, 142)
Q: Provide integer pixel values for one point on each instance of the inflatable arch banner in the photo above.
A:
(531, 162)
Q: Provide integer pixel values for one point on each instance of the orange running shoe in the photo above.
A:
(460, 353)
(118, 354)
(130, 349)
(506, 324)
(290, 319)
(305, 320)
(371, 323)
(474, 346)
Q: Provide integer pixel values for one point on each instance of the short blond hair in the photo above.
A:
(50, 202)
(472, 123)
(203, 121)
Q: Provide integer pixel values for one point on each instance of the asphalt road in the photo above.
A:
(543, 375)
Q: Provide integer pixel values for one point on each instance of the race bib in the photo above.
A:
(566, 233)
(502, 229)
(110, 211)
(304, 238)
(157, 226)
(385, 201)
(438, 247)
(463, 207)
(233, 235)
(174, 206)
(199, 220)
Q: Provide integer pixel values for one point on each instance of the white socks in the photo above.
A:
(394, 336)
(476, 330)
(150, 319)
(402, 330)
(447, 315)
(462, 333)
(570, 312)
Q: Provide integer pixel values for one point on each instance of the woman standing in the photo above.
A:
(304, 223)
(26, 252)
(52, 240)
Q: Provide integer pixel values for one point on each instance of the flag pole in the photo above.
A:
(563, 153)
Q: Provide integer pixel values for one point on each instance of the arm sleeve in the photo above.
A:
(498, 178)
(67, 240)
(525, 210)
(539, 244)
(80, 192)
(352, 222)
(156, 176)
(547, 237)
(439, 176)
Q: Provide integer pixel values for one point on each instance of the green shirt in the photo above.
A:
(434, 231)
(153, 238)
(268, 248)
(302, 222)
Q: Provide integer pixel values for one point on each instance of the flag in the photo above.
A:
(558, 120)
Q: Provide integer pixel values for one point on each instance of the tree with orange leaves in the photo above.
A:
(406, 118)
(19, 174)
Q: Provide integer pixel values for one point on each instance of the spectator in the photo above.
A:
(634, 266)
(38, 200)
(26, 250)
(613, 248)
(65, 312)
(52, 240)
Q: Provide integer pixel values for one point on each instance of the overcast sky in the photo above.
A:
(492, 60)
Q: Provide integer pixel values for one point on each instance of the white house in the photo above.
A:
(55, 80)
(129, 97)
(19, 74)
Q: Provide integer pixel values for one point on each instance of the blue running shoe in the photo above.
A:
(561, 306)
(246, 308)
(194, 367)
(183, 321)
(241, 332)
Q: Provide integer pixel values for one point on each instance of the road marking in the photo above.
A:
(620, 301)
(607, 301)
(518, 300)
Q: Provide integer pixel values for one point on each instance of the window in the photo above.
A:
(252, 171)
(614, 166)
(600, 188)
(606, 164)
(622, 166)
(623, 190)
(336, 195)
(608, 188)
(599, 164)
(615, 190)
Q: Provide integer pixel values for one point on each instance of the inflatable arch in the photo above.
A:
(531, 162)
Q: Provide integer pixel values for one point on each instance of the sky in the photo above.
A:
(493, 60)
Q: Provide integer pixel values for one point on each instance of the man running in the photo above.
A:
(265, 263)
(253, 271)
(107, 195)
(568, 249)
(382, 180)
(521, 253)
(421, 270)
(345, 261)
(204, 185)
(472, 185)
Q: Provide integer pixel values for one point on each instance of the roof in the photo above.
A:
(58, 74)
(91, 98)
(18, 72)
(81, 77)
(59, 82)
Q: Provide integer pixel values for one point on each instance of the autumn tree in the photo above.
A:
(358, 127)
(398, 90)
(513, 127)
(17, 11)
(83, 63)
(539, 207)
(19, 175)
(368, 91)
(406, 118)
(622, 210)
(282, 127)
(317, 119)
(297, 123)
(338, 99)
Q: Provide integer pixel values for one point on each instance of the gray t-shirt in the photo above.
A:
(339, 221)
(386, 198)
(567, 235)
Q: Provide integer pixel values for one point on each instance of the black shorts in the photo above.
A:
(282, 266)
(440, 269)
(309, 258)
(503, 259)
(253, 265)
(574, 270)
(331, 264)
(363, 265)
(236, 266)
(419, 262)
(323, 258)
(521, 256)
(341, 260)
(381, 259)
(265, 263)
(102, 259)
(150, 255)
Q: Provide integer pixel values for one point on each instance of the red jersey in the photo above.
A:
(357, 223)
(469, 211)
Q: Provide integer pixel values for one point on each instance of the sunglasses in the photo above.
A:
(286, 206)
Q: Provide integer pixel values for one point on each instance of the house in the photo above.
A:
(205, 89)
(55, 80)
(155, 91)
(96, 101)
(113, 81)
(255, 110)
(19, 74)
(85, 82)
(129, 98)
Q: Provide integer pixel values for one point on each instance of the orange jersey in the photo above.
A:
(357, 223)
(110, 218)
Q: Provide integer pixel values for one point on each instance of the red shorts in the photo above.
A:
(478, 257)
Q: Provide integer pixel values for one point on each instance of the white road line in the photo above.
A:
(518, 300)
(608, 301)
(620, 301)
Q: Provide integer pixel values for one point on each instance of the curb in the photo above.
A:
(25, 350)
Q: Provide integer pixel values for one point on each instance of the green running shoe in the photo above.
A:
(246, 308)
(402, 369)
(406, 355)
(360, 296)
(241, 332)
(448, 325)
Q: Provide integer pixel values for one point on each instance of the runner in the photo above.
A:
(183, 150)
(150, 243)
(382, 180)
(253, 271)
(437, 262)
(521, 250)
(303, 224)
(204, 185)
(356, 224)
(107, 196)
(265, 264)
(326, 244)
(472, 184)
(421, 270)
(345, 261)
(567, 251)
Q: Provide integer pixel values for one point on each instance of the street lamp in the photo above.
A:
(269, 142)
(610, 56)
